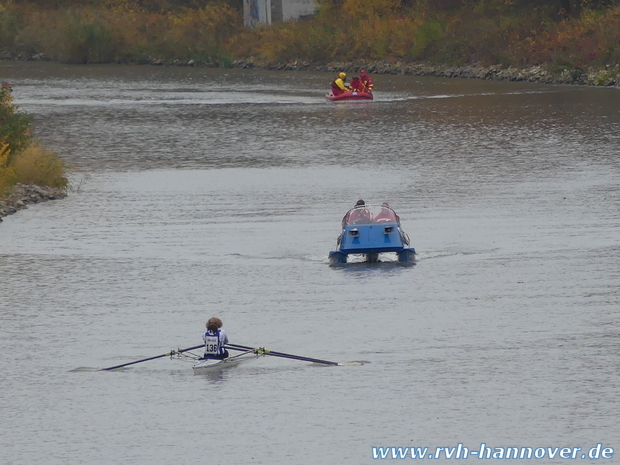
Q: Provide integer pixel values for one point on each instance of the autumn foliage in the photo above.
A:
(118, 31)
(23, 160)
(561, 33)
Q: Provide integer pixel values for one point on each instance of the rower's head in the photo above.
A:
(360, 203)
(214, 324)
(342, 75)
(362, 72)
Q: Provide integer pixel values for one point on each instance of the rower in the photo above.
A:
(215, 340)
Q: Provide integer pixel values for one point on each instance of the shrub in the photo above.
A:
(41, 166)
(20, 159)
(487, 32)
(425, 37)
(15, 131)
(201, 34)
(7, 176)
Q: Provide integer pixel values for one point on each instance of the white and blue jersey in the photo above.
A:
(214, 344)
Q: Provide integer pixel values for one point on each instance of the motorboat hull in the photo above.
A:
(372, 235)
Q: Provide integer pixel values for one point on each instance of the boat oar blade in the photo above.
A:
(172, 352)
(78, 369)
(281, 354)
(299, 357)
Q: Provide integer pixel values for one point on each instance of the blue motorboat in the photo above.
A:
(371, 230)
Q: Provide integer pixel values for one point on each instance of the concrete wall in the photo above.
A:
(257, 12)
(295, 9)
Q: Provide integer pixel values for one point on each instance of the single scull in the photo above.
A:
(213, 365)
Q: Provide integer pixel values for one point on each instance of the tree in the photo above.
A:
(15, 132)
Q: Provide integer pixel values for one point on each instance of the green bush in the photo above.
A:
(21, 160)
(15, 131)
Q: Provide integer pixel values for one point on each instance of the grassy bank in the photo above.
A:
(444, 33)
(22, 159)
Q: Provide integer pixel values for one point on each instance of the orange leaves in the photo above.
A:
(590, 40)
(20, 160)
(200, 34)
(361, 9)
(120, 31)
(487, 32)
(4, 153)
(6, 98)
(37, 165)
(14, 124)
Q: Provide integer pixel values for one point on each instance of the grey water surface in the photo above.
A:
(201, 192)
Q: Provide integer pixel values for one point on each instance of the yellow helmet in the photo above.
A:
(342, 75)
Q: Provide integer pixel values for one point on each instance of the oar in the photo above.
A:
(173, 352)
(280, 354)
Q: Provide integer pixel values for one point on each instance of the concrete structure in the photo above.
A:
(257, 12)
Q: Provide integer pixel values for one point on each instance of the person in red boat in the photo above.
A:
(358, 215)
(387, 214)
(367, 83)
(356, 85)
(339, 86)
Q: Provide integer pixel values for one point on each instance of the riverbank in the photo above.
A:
(548, 74)
(607, 77)
(474, 40)
(23, 195)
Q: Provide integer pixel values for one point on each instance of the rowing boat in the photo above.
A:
(213, 365)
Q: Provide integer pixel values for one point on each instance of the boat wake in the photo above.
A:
(353, 363)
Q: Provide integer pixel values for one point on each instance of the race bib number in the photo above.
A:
(211, 345)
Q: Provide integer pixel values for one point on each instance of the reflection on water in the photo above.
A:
(193, 200)
(192, 119)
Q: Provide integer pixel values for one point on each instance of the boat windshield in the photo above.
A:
(370, 214)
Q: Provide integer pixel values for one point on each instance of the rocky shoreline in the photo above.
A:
(23, 195)
(609, 76)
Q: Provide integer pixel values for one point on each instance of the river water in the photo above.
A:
(201, 192)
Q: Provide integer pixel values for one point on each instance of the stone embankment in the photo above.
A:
(609, 76)
(23, 195)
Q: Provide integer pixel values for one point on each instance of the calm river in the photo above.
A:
(201, 192)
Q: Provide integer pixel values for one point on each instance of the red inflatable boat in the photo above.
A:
(350, 95)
